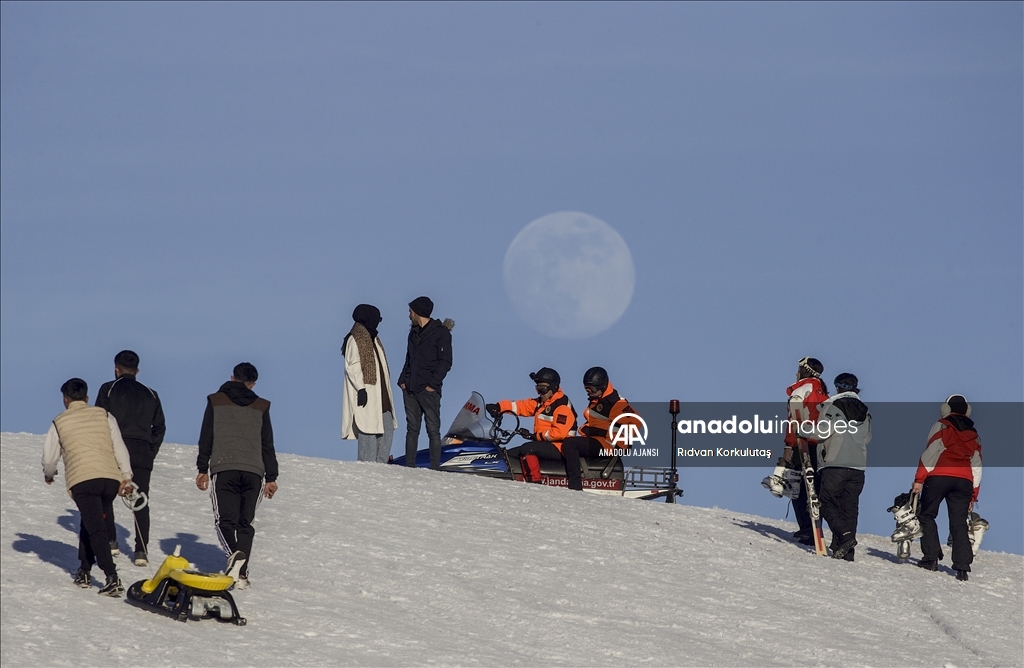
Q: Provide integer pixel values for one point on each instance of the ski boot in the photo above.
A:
(976, 528)
(908, 527)
(775, 482)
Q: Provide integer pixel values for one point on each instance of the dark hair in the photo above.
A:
(127, 360)
(75, 389)
(846, 382)
(957, 404)
(245, 373)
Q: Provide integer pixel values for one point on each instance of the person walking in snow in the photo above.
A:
(237, 463)
(554, 418)
(805, 396)
(367, 406)
(844, 427)
(97, 468)
(428, 359)
(950, 471)
(141, 420)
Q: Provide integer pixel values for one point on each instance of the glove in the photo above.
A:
(361, 398)
(527, 434)
(493, 409)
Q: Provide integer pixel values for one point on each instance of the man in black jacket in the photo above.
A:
(141, 420)
(238, 464)
(428, 359)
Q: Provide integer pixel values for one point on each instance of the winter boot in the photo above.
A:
(236, 562)
(961, 575)
(929, 564)
(114, 549)
(83, 578)
(843, 548)
(242, 583)
(113, 587)
(140, 558)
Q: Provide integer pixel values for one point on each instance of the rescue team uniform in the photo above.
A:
(95, 462)
(594, 436)
(553, 421)
(805, 397)
(236, 447)
(950, 469)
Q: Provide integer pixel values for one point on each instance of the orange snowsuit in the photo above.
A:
(600, 414)
(553, 421)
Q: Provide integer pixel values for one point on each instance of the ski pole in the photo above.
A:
(673, 408)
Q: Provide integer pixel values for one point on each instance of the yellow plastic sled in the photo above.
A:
(182, 593)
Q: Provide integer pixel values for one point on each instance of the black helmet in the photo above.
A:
(596, 377)
(547, 375)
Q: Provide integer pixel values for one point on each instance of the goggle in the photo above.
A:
(591, 389)
(542, 388)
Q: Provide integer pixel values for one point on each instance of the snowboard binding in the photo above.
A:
(180, 592)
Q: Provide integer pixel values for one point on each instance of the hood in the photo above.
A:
(238, 393)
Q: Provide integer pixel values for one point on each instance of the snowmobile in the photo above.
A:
(476, 444)
(179, 591)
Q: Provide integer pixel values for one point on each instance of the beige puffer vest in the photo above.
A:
(85, 444)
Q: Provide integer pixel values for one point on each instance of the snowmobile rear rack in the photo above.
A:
(182, 593)
(646, 483)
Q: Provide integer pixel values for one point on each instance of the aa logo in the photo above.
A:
(629, 433)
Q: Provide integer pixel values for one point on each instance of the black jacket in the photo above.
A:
(236, 393)
(139, 415)
(428, 357)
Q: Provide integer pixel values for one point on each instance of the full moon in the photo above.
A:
(569, 275)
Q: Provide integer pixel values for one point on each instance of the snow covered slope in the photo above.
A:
(370, 565)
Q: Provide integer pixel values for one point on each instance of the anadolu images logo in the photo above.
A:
(627, 435)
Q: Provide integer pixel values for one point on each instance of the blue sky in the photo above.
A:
(212, 183)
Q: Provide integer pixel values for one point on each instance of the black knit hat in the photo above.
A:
(422, 306)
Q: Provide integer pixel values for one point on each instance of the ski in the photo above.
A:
(813, 505)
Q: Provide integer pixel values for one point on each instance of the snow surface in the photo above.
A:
(371, 565)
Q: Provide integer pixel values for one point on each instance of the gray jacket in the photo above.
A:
(844, 431)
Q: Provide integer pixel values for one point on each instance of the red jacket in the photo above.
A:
(953, 450)
(805, 396)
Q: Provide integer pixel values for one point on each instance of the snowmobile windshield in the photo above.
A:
(472, 422)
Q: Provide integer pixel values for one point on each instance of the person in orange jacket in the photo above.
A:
(554, 418)
(594, 441)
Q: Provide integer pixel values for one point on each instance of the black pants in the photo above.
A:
(803, 515)
(574, 448)
(95, 501)
(426, 406)
(235, 496)
(957, 492)
(141, 478)
(840, 502)
(542, 449)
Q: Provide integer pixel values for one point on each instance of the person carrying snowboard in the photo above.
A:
(844, 427)
(97, 467)
(805, 396)
(554, 418)
(950, 471)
